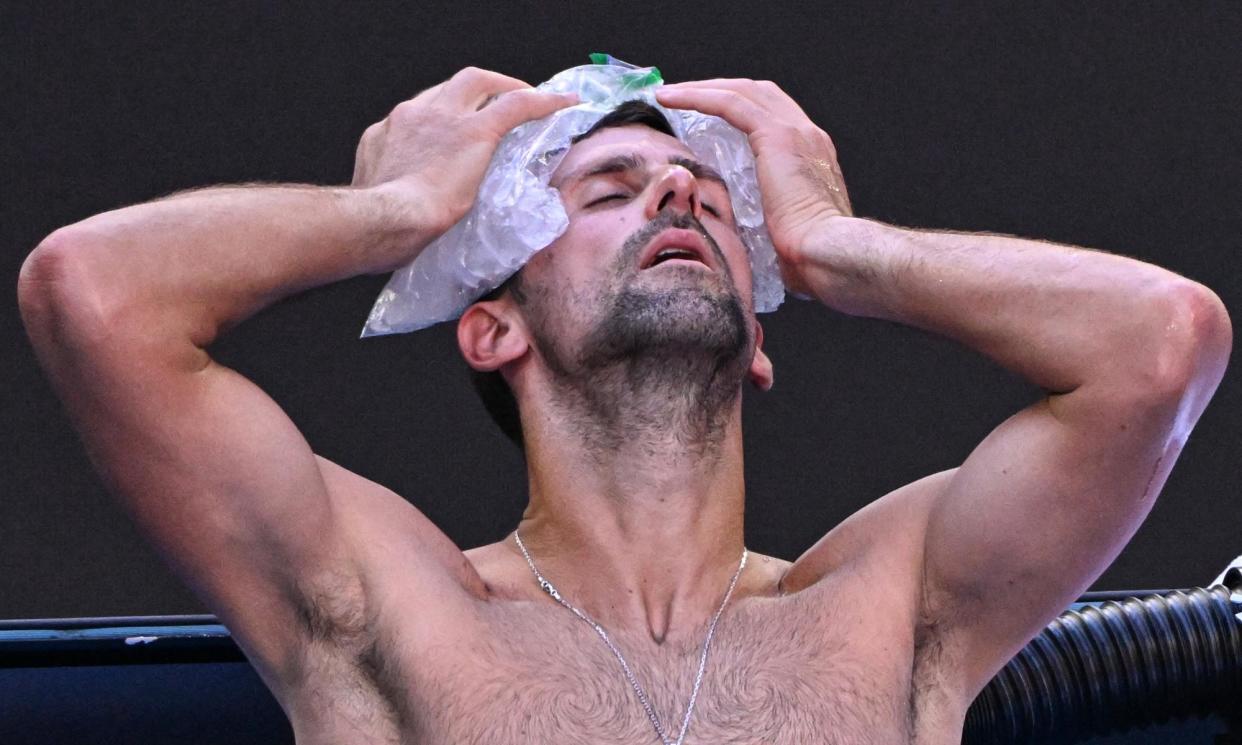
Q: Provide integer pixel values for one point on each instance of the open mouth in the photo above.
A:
(680, 255)
(676, 246)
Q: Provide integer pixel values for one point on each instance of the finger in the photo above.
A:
(765, 92)
(735, 108)
(712, 83)
(471, 87)
(749, 88)
(515, 107)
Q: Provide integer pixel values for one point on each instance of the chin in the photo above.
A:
(676, 322)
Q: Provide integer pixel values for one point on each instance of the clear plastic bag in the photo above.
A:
(516, 213)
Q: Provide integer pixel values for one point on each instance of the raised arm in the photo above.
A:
(1128, 353)
(121, 308)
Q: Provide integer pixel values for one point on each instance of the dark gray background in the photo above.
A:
(1114, 127)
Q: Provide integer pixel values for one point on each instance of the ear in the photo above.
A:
(489, 335)
(760, 366)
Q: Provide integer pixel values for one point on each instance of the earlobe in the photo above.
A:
(487, 337)
(760, 366)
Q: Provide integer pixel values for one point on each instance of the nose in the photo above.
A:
(674, 188)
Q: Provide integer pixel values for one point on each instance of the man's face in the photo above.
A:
(651, 260)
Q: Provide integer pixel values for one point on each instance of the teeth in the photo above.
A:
(675, 253)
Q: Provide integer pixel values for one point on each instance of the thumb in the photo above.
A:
(520, 106)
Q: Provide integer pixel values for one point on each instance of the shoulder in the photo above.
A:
(885, 538)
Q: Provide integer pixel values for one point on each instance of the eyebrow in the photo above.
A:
(629, 162)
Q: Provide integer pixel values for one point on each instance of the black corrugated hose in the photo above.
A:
(1117, 666)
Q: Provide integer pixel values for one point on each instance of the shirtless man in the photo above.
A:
(370, 626)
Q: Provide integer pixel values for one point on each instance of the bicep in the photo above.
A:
(1034, 515)
(286, 547)
(228, 491)
(213, 471)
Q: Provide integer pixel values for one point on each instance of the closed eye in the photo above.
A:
(605, 199)
(706, 207)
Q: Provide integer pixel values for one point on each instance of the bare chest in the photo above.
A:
(775, 674)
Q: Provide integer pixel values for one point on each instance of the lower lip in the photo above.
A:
(680, 262)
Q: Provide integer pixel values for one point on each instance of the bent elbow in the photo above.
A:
(1189, 346)
(1197, 337)
(54, 288)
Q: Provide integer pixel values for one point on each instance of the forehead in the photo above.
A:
(631, 139)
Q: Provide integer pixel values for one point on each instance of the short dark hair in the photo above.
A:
(630, 112)
(491, 387)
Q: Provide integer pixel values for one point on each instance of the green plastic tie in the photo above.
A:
(650, 77)
(642, 77)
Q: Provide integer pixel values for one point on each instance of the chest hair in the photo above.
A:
(780, 671)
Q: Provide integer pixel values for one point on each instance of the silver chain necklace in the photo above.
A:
(547, 587)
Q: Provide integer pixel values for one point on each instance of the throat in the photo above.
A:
(662, 408)
(644, 591)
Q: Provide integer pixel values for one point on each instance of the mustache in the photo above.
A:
(664, 220)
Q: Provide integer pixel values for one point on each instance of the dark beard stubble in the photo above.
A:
(660, 363)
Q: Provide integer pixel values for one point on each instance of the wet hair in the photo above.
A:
(491, 387)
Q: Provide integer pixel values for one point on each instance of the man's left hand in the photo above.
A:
(799, 176)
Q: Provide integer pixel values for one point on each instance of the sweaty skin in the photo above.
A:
(370, 626)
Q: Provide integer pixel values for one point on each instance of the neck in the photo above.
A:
(636, 502)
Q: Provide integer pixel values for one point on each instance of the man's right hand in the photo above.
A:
(435, 147)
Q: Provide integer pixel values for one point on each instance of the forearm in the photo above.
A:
(1059, 316)
(199, 262)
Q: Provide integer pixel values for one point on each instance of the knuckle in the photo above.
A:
(406, 111)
